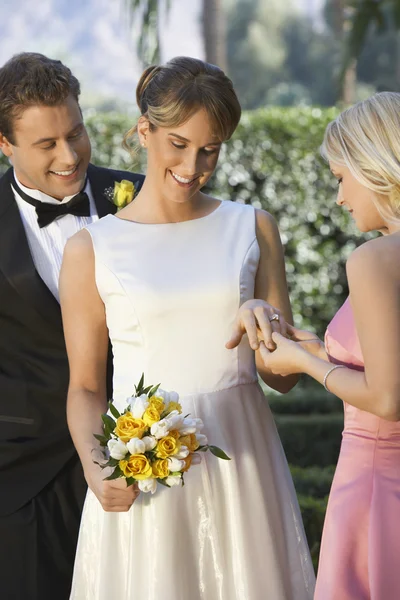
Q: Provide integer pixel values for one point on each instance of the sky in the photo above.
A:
(93, 38)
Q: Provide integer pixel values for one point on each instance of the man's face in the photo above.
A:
(52, 149)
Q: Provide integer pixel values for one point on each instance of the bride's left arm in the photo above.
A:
(271, 287)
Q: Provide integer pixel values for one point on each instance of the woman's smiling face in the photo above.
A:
(181, 159)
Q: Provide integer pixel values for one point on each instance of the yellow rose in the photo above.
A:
(190, 441)
(124, 192)
(151, 415)
(128, 427)
(157, 403)
(137, 466)
(175, 434)
(174, 406)
(188, 461)
(160, 468)
(167, 446)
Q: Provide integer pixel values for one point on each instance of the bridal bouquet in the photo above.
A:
(151, 441)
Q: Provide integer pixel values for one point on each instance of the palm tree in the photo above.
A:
(149, 41)
(214, 32)
(148, 46)
(366, 14)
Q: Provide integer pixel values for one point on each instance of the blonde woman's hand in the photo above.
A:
(259, 320)
(308, 341)
(288, 357)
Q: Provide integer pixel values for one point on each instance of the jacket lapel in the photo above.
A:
(16, 260)
(100, 180)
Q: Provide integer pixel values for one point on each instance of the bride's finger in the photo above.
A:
(249, 324)
(236, 336)
(265, 326)
(265, 353)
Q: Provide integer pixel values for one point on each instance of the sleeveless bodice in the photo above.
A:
(343, 347)
(182, 283)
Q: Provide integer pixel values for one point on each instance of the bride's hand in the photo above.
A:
(114, 495)
(259, 320)
(309, 341)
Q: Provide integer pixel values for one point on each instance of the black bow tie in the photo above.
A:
(46, 213)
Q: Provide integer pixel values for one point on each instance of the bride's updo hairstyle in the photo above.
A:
(169, 95)
(366, 139)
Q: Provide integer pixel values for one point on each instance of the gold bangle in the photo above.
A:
(329, 372)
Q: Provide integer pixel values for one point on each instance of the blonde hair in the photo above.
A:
(366, 139)
(168, 95)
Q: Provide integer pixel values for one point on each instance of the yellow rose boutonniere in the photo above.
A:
(123, 193)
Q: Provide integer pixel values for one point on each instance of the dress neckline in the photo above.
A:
(213, 212)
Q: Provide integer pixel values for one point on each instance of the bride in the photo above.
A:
(174, 280)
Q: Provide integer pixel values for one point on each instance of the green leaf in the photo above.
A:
(109, 424)
(141, 382)
(116, 474)
(115, 413)
(153, 390)
(146, 390)
(130, 481)
(163, 483)
(101, 438)
(218, 452)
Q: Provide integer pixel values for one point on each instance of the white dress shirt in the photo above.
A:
(47, 243)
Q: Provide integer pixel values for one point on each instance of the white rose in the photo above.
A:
(162, 394)
(173, 480)
(175, 464)
(202, 439)
(173, 396)
(136, 446)
(150, 442)
(118, 449)
(139, 405)
(175, 420)
(188, 426)
(147, 485)
(196, 458)
(199, 423)
(183, 452)
(160, 429)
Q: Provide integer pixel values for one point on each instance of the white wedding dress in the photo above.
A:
(234, 531)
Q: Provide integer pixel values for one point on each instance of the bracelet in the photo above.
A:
(329, 372)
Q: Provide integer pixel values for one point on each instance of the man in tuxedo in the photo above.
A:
(50, 192)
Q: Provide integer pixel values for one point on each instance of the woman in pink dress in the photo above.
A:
(360, 362)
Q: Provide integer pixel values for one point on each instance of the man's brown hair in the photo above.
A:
(32, 79)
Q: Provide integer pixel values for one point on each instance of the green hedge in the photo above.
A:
(311, 440)
(272, 162)
(305, 402)
(313, 515)
(312, 481)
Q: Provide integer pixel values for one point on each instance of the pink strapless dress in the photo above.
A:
(360, 551)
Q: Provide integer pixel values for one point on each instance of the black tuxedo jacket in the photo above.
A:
(34, 439)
